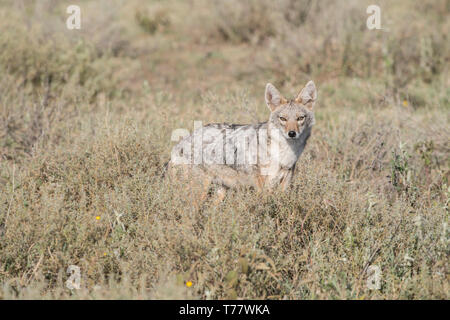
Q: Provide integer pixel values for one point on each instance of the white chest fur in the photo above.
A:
(284, 153)
(283, 156)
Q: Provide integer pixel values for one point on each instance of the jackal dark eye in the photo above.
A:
(282, 119)
(301, 118)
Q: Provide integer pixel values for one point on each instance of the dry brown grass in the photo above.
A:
(85, 124)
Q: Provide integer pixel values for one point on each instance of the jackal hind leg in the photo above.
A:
(191, 183)
(219, 195)
(199, 186)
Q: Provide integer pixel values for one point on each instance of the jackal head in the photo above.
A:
(291, 117)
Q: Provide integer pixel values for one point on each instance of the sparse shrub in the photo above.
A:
(243, 21)
(294, 11)
(425, 149)
(403, 175)
(159, 21)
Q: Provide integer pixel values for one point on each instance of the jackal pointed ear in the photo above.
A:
(273, 97)
(307, 95)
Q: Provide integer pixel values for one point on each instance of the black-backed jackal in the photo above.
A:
(259, 155)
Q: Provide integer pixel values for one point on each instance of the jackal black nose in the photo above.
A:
(291, 134)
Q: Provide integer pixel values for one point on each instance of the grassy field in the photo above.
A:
(86, 118)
